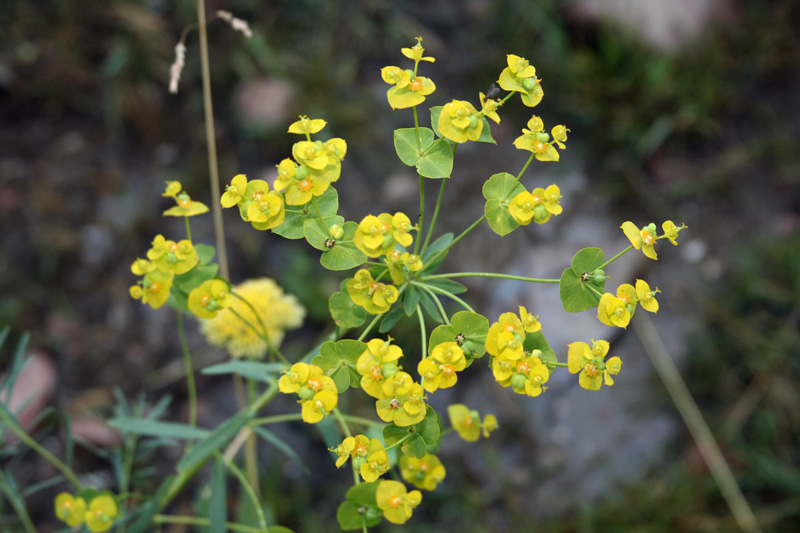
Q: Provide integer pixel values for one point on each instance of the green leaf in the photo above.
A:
(428, 429)
(536, 341)
(410, 300)
(439, 244)
(150, 508)
(350, 518)
(587, 260)
(292, 227)
(577, 295)
(391, 318)
(393, 433)
(486, 132)
(415, 447)
(405, 144)
(250, 369)
(467, 324)
(363, 494)
(217, 505)
(195, 277)
(437, 162)
(344, 255)
(218, 438)
(453, 287)
(276, 441)
(338, 360)
(205, 253)
(316, 233)
(344, 312)
(435, 112)
(498, 191)
(429, 306)
(170, 430)
(278, 529)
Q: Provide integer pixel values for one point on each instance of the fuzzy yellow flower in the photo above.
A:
(396, 502)
(423, 472)
(467, 422)
(101, 513)
(210, 298)
(70, 509)
(264, 303)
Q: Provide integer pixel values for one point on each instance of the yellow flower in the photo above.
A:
(538, 205)
(529, 322)
(646, 297)
(318, 394)
(186, 207)
(416, 53)
(170, 256)
(520, 76)
(589, 361)
(377, 364)
(618, 310)
(529, 377)
(173, 189)
(468, 422)
(101, 513)
(505, 337)
(535, 140)
(424, 473)
(140, 267)
(439, 370)
(403, 408)
(373, 462)
(210, 298)
(320, 405)
(671, 231)
(357, 447)
(489, 107)
(268, 305)
(295, 377)
(153, 289)
(234, 193)
(70, 509)
(642, 239)
(376, 298)
(409, 89)
(459, 122)
(396, 502)
(306, 126)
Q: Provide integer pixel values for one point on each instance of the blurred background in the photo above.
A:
(685, 110)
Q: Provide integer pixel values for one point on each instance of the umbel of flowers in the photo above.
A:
(396, 274)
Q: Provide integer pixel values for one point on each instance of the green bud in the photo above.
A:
(306, 393)
(599, 276)
(518, 381)
(529, 83)
(388, 370)
(301, 172)
(652, 229)
(540, 212)
(372, 513)
(336, 231)
(537, 353)
(542, 136)
(358, 462)
(474, 120)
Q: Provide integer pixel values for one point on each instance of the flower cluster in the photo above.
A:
(537, 205)
(511, 364)
(211, 297)
(261, 303)
(645, 238)
(98, 515)
(264, 209)
(402, 265)
(186, 207)
(378, 235)
(375, 297)
(369, 456)
(438, 371)
(423, 472)
(165, 259)
(618, 310)
(318, 394)
(534, 139)
(520, 76)
(590, 362)
(396, 502)
(408, 89)
(467, 422)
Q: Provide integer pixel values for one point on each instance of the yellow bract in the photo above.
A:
(70, 509)
(396, 502)
(468, 422)
(306, 126)
(520, 76)
(459, 122)
(210, 298)
(424, 473)
(101, 513)
(376, 298)
(589, 361)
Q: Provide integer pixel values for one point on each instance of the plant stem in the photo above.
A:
(463, 234)
(626, 250)
(208, 111)
(188, 228)
(12, 424)
(197, 521)
(421, 222)
(190, 385)
(363, 421)
(248, 490)
(19, 507)
(288, 417)
(487, 275)
(521, 172)
(436, 300)
(449, 294)
(435, 216)
(371, 325)
(423, 332)
(250, 451)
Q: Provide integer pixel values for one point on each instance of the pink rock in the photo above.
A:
(32, 391)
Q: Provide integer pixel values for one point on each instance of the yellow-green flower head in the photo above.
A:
(589, 361)
(411, 92)
(404, 409)
(311, 154)
(612, 311)
(336, 148)
(529, 377)
(267, 212)
(529, 322)
(211, 297)
(70, 509)
(671, 231)
(377, 236)
(376, 298)
(234, 193)
(459, 122)
(646, 296)
(412, 262)
(170, 256)
(276, 310)
(140, 267)
(351, 446)
(468, 422)
(416, 52)
(535, 140)
(521, 208)
(374, 464)
(396, 76)
(520, 76)
(642, 239)
(186, 206)
(489, 107)
(559, 134)
(424, 473)
(173, 189)
(296, 377)
(154, 288)
(306, 126)
(401, 225)
(505, 337)
(503, 368)
(101, 513)
(320, 405)
(439, 370)
(396, 502)
(377, 365)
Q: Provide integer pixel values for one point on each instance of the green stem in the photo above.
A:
(346, 430)
(190, 385)
(12, 424)
(275, 419)
(626, 250)
(363, 421)
(449, 294)
(435, 216)
(398, 443)
(521, 172)
(262, 522)
(250, 446)
(463, 234)
(487, 275)
(197, 521)
(371, 325)
(262, 335)
(19, 507)
(421, 222)
(208, 111)
(423, 332)
(436, 300)
(188, 228)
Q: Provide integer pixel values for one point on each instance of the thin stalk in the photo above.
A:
(211, 143)
(12, 424)
(521, 172)
(463, 234)
(248, 490)
(449, 294)
(421, 222)
(368, 328)
(202, 522)
(423, 333)
(275, 419)
(19, 508)
(435, 216)
(363, 421)
(626, 250)
(487, 275)
(436, 300)
(250, 451)
(188, 228)
(191, 389)
(264, 337)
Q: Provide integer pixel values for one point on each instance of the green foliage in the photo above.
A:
(577, 289)
(497, 190)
